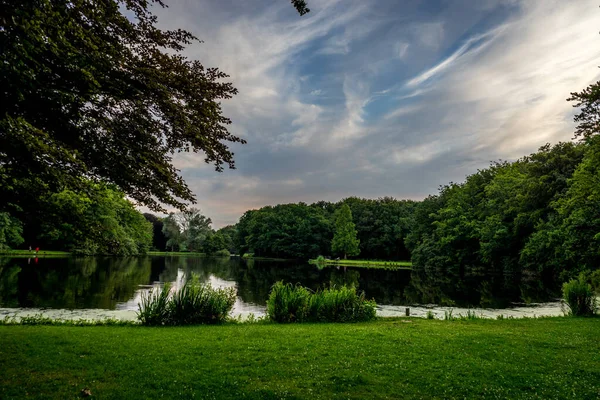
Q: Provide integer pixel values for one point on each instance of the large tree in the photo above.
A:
(96, 89)
(344, 240)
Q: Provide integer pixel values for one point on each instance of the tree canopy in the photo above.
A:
(344, 239)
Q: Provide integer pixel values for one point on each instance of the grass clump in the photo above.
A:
(193, 304)
(579, 297)
(294, 303)
(222, 253)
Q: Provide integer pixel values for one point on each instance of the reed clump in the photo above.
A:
(579, 297)
(294, 303)
(193, 304)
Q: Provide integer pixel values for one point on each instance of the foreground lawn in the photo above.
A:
(554, 358)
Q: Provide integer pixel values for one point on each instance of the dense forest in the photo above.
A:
(537, 215)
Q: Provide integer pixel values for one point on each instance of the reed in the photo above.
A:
(578, 298)
(192, 304)
(294, 303)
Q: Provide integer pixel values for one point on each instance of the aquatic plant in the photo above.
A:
(578, 298)
(294, 303)
(287, 303)
(154, 306)
(194, 303)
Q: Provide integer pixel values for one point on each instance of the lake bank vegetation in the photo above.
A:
(416, 357)
(392, 265)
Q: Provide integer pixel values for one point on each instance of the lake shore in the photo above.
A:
(534, 358)
(393, 265)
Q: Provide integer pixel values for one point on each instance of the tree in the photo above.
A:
(187, 230)
(159, 240)
(96, 89)
(344, 239)
(11, 231)
(588, 119)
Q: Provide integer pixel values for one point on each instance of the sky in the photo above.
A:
(374, 98)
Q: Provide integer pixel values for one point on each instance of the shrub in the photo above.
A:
(154, 306)
(222, 253)
(430, 315)
(579, 297)
(194, 303)
(289, 303)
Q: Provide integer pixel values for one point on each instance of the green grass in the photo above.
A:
(31, 254)
(393, 358)
(365, 263)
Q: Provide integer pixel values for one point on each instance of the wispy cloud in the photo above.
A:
(383, 98)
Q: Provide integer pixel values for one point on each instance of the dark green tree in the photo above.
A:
(344, 239)
(11, 231)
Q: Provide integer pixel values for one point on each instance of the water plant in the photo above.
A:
(578, 298)
(194, 303)
(294, 303)
(154, 306)
(448, 315)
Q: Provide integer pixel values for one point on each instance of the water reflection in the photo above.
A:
(118, 283)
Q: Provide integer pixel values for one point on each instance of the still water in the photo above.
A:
(96, 287)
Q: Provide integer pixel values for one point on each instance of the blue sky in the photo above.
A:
(376, 98)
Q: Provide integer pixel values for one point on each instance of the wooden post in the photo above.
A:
(407, 312)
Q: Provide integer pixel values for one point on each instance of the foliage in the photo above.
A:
(499, 224)
(192, 304)
(154, 307)
(187, 230)
(159, 240)
(579, 297)
(344, 239)
(11, 231)
(289, 303)
(222, 253)
(98, 90)
(284, 231)
(588, 119)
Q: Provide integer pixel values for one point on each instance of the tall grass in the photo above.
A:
(194, 303)
(294, 303)
(154, 306)
(579, 297)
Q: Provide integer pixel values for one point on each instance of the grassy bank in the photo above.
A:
(32, 253)
(365, 263)
(391, 358)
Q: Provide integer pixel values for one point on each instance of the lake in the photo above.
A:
(98, 287)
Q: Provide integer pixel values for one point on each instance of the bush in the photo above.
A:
(222, 253)
(193, 304)
(579, 297)
(289, 303)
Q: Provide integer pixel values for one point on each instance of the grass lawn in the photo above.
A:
(31, 254)
(554, 358)
(367, 263)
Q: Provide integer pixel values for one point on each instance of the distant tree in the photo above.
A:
(230, 236)
(159, 240)
(344, 239)
(99, 220)
(187, 230)
(11, 231)
(172, 232)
